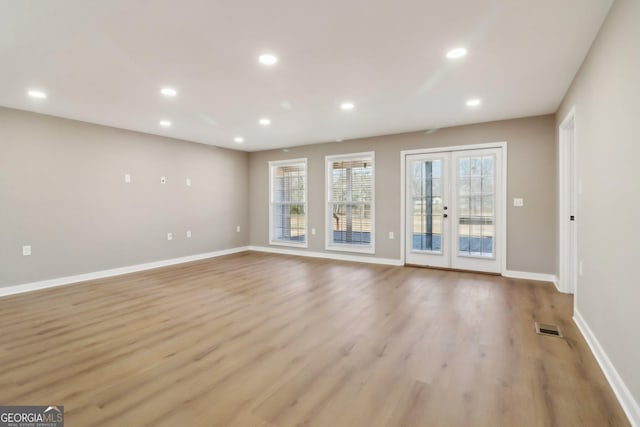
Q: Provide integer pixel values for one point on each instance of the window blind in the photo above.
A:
(351, 200)
(288, 202)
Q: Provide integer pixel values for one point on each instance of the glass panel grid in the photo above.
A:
(351, 200)
(476, 206)
(289, 205)
(426, 191)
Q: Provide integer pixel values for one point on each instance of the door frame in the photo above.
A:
(501, 204)
(567, 195)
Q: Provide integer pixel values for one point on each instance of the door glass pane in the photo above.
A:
(475, 185)
(426, 193)
(476, 206)
(463, 206)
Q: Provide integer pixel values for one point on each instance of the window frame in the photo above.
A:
(272, 168)
(328, 217)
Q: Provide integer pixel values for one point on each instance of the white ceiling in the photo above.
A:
(105, 62)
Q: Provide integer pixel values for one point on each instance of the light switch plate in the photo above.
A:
(518, 202)
(26, 250)
(169, 236)
(163, 180)
(237, 229)
(188, 182)
(127, 178)
(313, 231)
(188, 234)
(391, 235)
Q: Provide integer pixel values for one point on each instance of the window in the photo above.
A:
(476, 206)
(288, 203)
(350, 196)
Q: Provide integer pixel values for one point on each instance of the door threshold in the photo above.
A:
(458, 270)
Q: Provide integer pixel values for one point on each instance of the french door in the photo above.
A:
(453, 209)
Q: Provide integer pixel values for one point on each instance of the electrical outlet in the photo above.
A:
(518, 202)
(188, 182)
(313, 231)
(188, 234)
(163, 180)
(127, 178)
(237, 229)
(26, 250)
(391, 235)
(169, 236)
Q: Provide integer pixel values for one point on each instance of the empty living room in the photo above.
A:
(319, 213)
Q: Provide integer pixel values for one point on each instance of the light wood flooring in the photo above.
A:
(274, 341)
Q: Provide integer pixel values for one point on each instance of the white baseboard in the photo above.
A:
(628, 403)
(386, 261)
(327, 255)
(531, 276)
(33, 286)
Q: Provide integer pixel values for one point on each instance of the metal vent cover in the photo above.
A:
(549, 330)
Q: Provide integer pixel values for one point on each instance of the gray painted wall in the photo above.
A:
(62, 191)
(531, 174)
(605, 94)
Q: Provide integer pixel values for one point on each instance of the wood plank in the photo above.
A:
(266, 340)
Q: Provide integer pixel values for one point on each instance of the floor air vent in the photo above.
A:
(550, 330)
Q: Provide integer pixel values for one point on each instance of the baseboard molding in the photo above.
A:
(327, 255)
(387, 261)
(34, 286)
(628, 403)
(531, 276)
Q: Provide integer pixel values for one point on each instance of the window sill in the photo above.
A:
(289, 244)
(351, 248)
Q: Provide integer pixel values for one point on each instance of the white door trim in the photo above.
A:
(567, 251)
(502, 204)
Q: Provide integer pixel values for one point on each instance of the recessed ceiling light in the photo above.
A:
(265, 121)
(474, 102)
(169, 91)
(347, 106)
(267, 59)
(286, 105)
(238, 139)
(165, 123)
(338, 140)
(286, 150)
(37, 94)
(456, 53)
